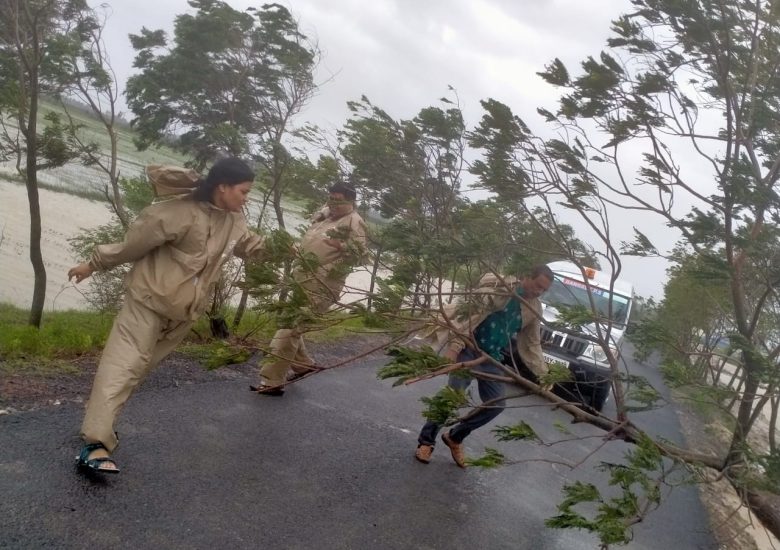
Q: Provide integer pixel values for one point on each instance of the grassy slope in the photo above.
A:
(89, 181)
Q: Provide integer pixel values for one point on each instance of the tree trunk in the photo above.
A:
(766, 507)
(773, 423)
(118, 202)
(743, 415)
(415, 296)
(217, 324)
(277, 203)
(374, 271)
(36, 257)
(241, 304)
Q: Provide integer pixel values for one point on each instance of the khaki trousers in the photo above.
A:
(287, 347)
(139, 340)
(288, 351)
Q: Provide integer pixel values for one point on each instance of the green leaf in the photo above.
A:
(555, 73)
(491, 459)
(642, 246)
(441, 408)
(407, 363)
(517, 432)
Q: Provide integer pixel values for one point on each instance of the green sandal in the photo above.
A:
(96, 464)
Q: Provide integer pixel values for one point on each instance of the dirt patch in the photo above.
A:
(31, 389)
(734, 527)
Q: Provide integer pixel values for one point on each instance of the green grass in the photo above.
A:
(66, 335)
(93, 131)
(346, 327)
(255, 331)
(257, 328)
(63, 334)
(88, 182)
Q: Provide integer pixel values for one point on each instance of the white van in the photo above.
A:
(585, 358)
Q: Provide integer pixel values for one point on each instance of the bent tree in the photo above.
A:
(35, 38)
(682, 79)
(676, 120)
(86, 76)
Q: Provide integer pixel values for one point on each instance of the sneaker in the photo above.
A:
(423, 453)
(262, 389)
(456, 449)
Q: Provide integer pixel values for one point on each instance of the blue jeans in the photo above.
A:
(488, 390)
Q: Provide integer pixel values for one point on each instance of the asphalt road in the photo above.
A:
(329, 465)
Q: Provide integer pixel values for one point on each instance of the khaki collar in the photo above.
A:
(209, 206)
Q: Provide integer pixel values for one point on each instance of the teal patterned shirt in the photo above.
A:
(494, 334)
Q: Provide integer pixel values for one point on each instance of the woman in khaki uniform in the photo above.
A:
(177, 248)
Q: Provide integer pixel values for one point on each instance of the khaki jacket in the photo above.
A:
(327, 273)
(322, 226)
(490, 295)
(178, 248)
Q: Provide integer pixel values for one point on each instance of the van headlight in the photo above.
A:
(597, 353)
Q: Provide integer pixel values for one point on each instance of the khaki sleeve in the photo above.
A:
(154, 226)
(251, 246)
(529, 346)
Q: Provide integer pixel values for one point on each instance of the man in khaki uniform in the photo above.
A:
(177, 248)
(336, 240)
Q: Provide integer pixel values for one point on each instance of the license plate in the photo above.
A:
(550, 360)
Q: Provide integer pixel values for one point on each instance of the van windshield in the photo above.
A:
(570, 292)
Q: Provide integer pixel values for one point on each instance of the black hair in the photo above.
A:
(345, 189)
(229, 170)
(544, 270)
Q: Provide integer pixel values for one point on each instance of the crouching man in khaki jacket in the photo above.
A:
(177, 248)
(336, 241)
(499, 308)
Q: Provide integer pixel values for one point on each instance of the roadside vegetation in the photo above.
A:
(67, 335)
(677, 81)
(63, 335)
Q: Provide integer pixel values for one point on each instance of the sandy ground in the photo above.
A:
(62, 216)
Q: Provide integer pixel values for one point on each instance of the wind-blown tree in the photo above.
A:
(677, 119)
(410, 171)
(229, 82)
(531, 181)
(86, 75)
(35, 38)
(686, 325)
(672, 65)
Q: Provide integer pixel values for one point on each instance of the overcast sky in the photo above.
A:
(403, 54)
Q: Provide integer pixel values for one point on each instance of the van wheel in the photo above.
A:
(600, 394)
